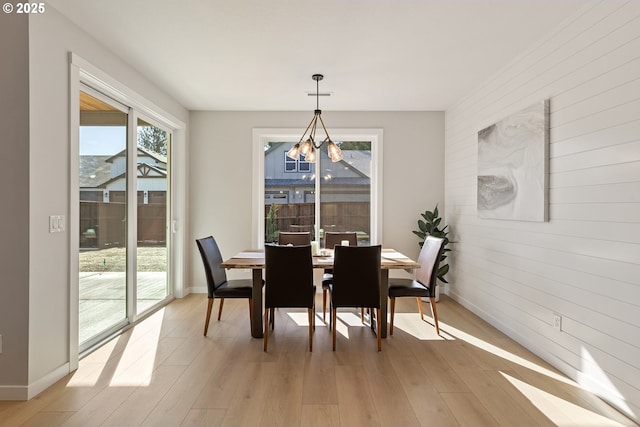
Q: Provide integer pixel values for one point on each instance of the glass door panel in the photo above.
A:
(152, 208)
(103, 214)
(289, 191)
(345, 191)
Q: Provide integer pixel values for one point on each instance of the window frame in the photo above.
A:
(261, 136)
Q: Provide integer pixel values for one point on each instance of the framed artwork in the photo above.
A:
(513, 166)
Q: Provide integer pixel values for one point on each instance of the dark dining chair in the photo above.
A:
(294, 238)
(356, 282)
(217, 284)
(288, 283)
(331, 239)
(423, 285)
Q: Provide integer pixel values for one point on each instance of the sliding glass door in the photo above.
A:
(152, 209)
(124, 192)
(103, 217)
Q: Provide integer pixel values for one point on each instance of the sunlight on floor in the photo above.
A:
(135, 364)
(592, 377)
(559, 411)
(345, 321)
(90, 368)
(137, 361)
(422, 331)
(411, 324)
(299, 317)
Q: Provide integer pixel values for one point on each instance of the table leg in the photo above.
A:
(384, 292)
(257, 303)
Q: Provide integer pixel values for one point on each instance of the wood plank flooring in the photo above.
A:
(164, 372)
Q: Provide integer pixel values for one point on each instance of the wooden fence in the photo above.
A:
(335, 216)
(103, 225)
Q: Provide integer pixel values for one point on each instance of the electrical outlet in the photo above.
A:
(557, 322)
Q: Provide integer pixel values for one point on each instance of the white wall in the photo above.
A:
(38, 300)
(221, 175)
(585, 262)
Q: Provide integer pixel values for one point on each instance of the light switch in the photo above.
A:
(53, 224)
(56, 223)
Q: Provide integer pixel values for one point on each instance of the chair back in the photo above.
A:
(288, 276)
(429, 259)
(356, 276)
(333, 238)
(294, 238)
(211, 258)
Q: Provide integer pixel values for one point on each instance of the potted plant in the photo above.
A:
(429, 225)
(271, 233)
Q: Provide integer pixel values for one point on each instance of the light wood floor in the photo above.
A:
(164, 372)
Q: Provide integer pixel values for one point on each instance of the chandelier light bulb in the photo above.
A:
(307, 147)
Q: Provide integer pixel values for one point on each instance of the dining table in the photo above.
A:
(254, 259)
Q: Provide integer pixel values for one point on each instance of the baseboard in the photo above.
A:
(13, 392)
(47, 381)
(197, 290)
(32, 390)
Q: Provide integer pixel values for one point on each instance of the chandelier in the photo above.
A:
(308, 147)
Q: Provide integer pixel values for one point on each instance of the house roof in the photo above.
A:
(141, 150)
(94, 170)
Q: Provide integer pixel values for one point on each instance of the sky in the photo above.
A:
(102, 140)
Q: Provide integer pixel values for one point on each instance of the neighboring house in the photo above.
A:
(103, 179)
(293, 181)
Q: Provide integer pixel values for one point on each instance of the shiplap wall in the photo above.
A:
(583, 264)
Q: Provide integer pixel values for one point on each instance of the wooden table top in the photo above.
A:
(254, 258)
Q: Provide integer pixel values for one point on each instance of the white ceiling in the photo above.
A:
(375, 54)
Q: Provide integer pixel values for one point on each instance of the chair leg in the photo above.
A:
(251, 315)
(420, 308)
(220, 309)
(393, 310)
(206, 322)
(333, 320)
(311, 321)
(434, 312)
(273, 318)
(362, 315)
(266, 328)
(324, 306)
(379, 326)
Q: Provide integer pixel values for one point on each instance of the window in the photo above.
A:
(292, 165)
(321, 196)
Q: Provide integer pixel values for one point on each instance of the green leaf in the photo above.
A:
(435, 212)
(428, 216)
(444, 269)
